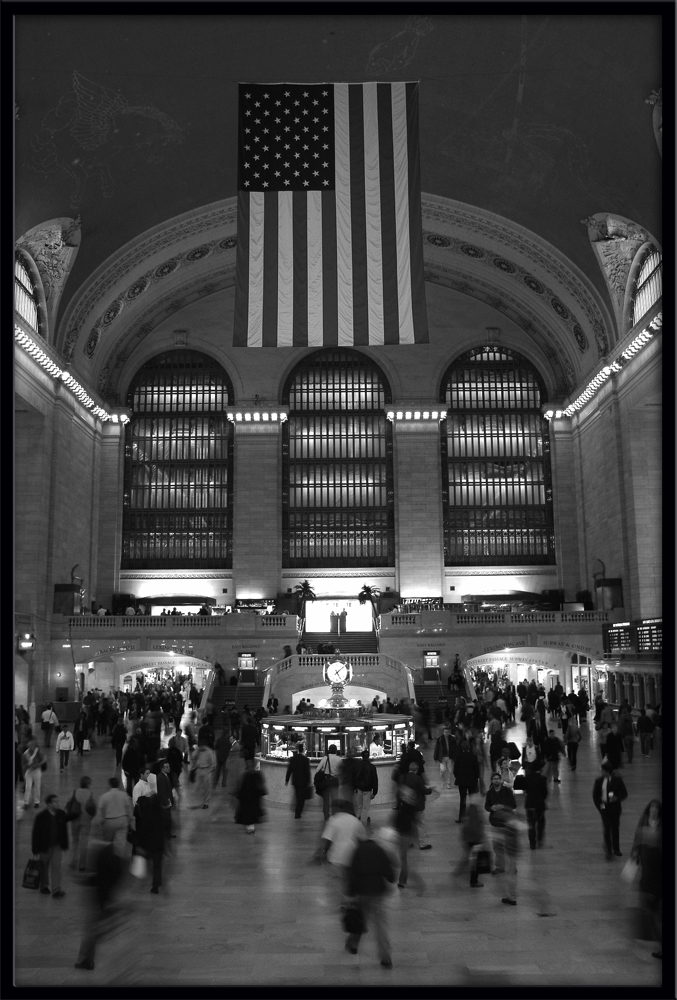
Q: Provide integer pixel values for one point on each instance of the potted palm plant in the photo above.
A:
(304, 593)
(371, 594)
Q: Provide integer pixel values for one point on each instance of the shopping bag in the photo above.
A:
(137, 866)
(630, 870)
(353, 920)
(85, 744)
(32, 874)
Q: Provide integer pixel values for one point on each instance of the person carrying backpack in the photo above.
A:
(366, 788)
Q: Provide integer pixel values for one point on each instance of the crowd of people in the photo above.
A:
(168, 758)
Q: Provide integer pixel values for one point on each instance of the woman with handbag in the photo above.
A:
(80, 810)
(326, 780)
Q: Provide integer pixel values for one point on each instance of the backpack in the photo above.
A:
(73, 809)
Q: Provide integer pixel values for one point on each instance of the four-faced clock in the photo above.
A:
(337, 672)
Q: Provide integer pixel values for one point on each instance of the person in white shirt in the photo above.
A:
(49, 721)
(340, 837)
(376, 748)
(130, 610)
(115, 812)
(142, 786)
(64, 745)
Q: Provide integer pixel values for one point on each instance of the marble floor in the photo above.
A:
(258, 911)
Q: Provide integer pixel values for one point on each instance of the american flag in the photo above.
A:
(329, 241)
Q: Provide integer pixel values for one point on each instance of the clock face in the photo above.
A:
(337, 672)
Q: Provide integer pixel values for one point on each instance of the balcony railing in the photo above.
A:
(177, 623)
(416, 619)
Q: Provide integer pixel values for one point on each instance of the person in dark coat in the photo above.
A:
(150, 831)
(614, 747)
(248, 737)
(607, 793)
(647, 849)
(252, 789)
(118, 739)
(366, 788)
(298, 772)
(205, 735)
(107, 877)
(467, 776)
(222, 750)
(48, 841)
(80, 732)
(132, 762)
(535, 787)
(368, 877)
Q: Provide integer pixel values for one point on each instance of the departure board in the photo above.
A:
(634, 638)
(620, 638)
(650, 635)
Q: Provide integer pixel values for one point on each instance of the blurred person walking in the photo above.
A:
(366, 788)
(33, 760)
(202, 766)
(340, 836)
(49, 721)
(445, 749)
(466, 775)
(327, 783)
(118, 738)
(99, 912)
(222, 752)
(412, 791)
(535, 787)
(48, 841)
(608, 792)
(234, 772)
(498, 801)
(369, 877)
(115, 812)
(252, 788)
(149, 839)
(552, 749)
(571, 741)
(645, 728)
(80, 810)
(298, 771)
(647, 849)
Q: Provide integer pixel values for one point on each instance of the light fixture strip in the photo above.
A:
(617, 365)
(44, 360)
(415, 416)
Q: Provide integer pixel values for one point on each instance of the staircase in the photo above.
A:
(430, 693)
(348, 642)
(241, 695)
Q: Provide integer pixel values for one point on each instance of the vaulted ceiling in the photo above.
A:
(127, 121)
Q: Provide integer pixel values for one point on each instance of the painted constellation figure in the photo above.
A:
(90, 126)
(399, 50)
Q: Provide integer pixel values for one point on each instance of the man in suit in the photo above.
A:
(608, 792)
(298, 770)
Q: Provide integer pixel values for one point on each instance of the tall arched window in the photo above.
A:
(337, 487)
(496, 462)
(649, 287)
(177, 508)
(25, 294)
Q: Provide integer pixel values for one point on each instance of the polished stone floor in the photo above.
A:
(256, 910)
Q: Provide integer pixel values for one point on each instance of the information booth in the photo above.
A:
(385, 736)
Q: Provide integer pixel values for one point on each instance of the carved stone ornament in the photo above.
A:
(53, 246)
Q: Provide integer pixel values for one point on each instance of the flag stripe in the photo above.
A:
(241, 268)
(344, 260)
(417, 283)
(401, 179)
(269, 330)
(285, 269)
(300, 213)
(329, 290)
(372, 200)
(255, 317)
(315, 263)
(391, 331)
(358, 224)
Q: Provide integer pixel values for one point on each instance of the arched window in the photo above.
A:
(337, 489)
(649, 287)
(177, 508)
(496, 462)
(25, 294)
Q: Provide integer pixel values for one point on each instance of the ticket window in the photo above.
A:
(431, 667)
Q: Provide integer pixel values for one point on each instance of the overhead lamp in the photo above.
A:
(399, 725)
